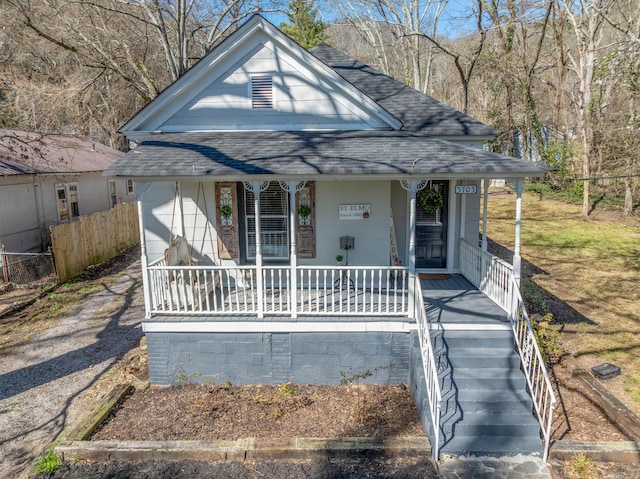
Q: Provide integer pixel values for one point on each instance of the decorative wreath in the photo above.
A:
(430, 200)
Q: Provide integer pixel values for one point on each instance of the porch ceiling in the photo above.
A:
(237, 155)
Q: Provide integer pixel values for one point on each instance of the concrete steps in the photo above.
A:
(486, 408)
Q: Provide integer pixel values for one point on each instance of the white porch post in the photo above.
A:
(517, 261)
(142, 188)
(256, 188)
(293, 287)
(485, 202)
(412, 246)
(293, 187)
(413, 187)
(259, 282)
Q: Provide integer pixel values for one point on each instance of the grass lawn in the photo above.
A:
(592, 265)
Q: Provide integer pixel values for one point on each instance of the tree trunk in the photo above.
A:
(628, 197)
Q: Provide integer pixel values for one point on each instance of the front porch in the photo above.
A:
(212, 293)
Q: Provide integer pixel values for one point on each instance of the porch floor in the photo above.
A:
(452, 302)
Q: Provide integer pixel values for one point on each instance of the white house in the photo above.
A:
(47, 180)
(263, 167)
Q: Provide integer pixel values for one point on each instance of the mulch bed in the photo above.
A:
(200, 412)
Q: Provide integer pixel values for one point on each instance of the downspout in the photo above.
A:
(517, 260)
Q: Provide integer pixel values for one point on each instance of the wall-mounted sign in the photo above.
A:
(466, 189)
(354, 212)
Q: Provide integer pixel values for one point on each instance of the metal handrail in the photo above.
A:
(534, 367)
(429, 365)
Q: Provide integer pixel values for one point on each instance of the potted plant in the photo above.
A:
(339, 258)
(226, 211)
(304, 211)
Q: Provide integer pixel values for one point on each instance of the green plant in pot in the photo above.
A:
(304, 211)
(226, 211)
(339, 259)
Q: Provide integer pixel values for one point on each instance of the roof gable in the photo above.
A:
(215, 94)
(419, 113)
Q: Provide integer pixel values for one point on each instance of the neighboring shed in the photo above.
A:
(50, 179)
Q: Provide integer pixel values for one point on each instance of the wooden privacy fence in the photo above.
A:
(93, 239)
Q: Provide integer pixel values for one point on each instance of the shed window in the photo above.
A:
(262, 92)
(67, 196)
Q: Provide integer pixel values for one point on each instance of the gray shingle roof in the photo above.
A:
(309, 154)
(418, 113)
(24, 153)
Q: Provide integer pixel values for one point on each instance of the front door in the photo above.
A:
(432, 206)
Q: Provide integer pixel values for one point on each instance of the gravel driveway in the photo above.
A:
(42, 381)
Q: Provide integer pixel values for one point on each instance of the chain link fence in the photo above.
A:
(24, 268)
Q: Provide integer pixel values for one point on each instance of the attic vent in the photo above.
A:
(262, 92)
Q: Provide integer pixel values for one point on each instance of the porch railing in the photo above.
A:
(352, 290)
(544, 399)
(495, 278)
(429, 365)
(488, 273)
(219, 290)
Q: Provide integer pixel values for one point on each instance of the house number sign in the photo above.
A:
(354, 212)
(466, 189)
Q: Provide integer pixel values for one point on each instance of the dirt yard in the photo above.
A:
(194, 412)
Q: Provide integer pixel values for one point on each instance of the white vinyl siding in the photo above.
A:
(297, 102)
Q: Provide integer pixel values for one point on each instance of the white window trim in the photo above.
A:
(285, 233)
(66, 187)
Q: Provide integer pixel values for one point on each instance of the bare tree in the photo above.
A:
(463, 62)
(518, 31)
(587, 28)
(616, 94)
(397, 26)
(82, 67)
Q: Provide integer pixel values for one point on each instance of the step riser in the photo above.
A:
(480, 384)
(467, 362)
(492, 446)
(488, 374)
(455, 344)
(489, 431)
(496, 407)
(482, 418)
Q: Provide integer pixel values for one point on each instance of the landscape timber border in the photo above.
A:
(77, 447)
